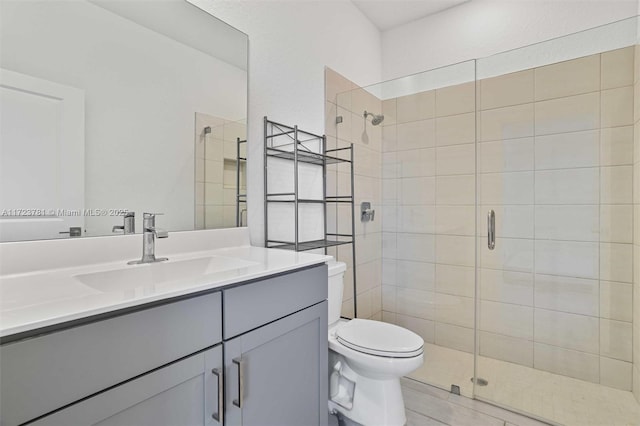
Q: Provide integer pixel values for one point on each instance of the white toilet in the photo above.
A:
(366, 360)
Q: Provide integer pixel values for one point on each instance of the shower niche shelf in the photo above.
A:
(285, 142)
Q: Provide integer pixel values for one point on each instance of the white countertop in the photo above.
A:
(42, 298)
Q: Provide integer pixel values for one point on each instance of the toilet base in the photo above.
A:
(375, 401)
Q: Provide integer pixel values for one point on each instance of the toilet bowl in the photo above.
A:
(366, 360)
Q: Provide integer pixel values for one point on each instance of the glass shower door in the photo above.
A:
(555, 137)
(428, 217)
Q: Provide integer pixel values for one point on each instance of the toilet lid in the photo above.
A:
(379, 338)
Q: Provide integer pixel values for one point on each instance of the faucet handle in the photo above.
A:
(150, 215)
(150, 218)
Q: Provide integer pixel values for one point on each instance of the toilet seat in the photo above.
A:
(380, 339)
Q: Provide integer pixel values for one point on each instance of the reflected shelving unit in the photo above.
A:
(289, 143)
(241, 198)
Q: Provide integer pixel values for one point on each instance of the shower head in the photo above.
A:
(376, 118)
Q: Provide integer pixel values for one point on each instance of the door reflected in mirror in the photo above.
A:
(104, 110)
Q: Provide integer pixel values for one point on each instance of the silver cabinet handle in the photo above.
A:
(238, 402)
(218, 415)
(491, 229)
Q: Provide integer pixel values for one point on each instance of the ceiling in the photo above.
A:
(387, 14)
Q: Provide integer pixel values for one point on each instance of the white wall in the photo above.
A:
(290, 43)
(485, 27)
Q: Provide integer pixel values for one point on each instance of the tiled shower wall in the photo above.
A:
(345, 99)
(555, 294)
(428, 215)
(555, 161)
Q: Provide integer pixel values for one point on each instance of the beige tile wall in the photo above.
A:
(346, 99)
(554, 163)
(636, 234)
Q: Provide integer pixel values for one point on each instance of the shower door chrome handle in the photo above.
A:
(491, 229)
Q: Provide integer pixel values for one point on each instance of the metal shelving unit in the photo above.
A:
(286, 142)
(240, 197)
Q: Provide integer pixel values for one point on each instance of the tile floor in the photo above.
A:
(430, 406)
(560, 399)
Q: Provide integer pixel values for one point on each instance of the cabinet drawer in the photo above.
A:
(44, 373)
(253, 305)
(170, 396)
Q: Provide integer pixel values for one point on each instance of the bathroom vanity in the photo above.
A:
(242, 345)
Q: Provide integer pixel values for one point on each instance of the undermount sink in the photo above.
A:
(153, 274)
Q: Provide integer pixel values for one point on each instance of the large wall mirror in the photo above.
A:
(109, 107)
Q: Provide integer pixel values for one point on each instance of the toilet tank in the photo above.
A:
(336, 285)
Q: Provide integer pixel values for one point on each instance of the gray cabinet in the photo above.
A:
(170, 396)
(276, 374)
(46, 372)
(251, 354)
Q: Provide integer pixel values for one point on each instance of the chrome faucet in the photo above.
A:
(149, 240)
(129, 225)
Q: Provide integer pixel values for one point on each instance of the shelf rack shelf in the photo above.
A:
(305, 157)
(307, 245)
(284, 142)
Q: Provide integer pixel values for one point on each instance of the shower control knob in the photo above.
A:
(366, 212)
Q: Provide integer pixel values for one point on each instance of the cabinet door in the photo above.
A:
(277, 374)
(184, 393)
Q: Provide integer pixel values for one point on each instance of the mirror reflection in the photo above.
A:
(220, 172)
(111, 109)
